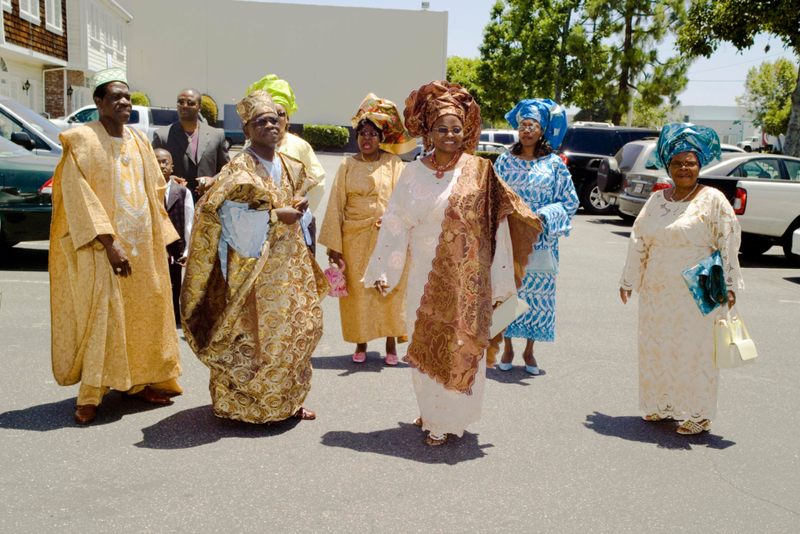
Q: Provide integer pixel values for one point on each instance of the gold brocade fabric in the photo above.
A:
(452, 326)
(358, 199)
(109, 331)
(256, 330)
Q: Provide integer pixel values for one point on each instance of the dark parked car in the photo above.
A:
(585, 145)
(25, 209)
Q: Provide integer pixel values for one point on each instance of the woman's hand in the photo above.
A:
(288, 215)
(382, 287)
(624, 294)
(335, 257)
(731, 299)
(116, 256)
(206, 185)
(300, 203)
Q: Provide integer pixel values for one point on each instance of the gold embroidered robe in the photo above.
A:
(358, 199)
(110, 331)
(256, 329)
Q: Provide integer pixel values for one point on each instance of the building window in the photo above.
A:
(29, 10)
(94, 26)
(53, 19)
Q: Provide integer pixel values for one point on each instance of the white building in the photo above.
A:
(331, 56)
(732, 123)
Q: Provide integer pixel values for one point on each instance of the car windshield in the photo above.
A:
(627, 155)
(39, 123)
(11, 150)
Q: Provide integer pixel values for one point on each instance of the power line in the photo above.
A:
(741, 63)
(721, 81)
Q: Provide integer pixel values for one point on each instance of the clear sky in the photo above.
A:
(715, 81)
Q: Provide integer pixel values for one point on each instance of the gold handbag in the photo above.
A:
(732, 343)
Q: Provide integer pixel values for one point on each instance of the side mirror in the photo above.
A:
(22, 139)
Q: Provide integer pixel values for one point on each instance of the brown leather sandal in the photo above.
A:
(85, 413)
(304, 414)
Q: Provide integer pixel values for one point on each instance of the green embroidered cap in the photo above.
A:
(116, 74)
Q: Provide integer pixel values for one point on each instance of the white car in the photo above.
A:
(145, 119)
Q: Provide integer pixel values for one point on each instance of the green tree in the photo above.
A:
(709, 22)
(541, 48)
(648, 116)
(768, 94)
(464, 71)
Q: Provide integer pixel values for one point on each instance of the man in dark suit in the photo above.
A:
(198, 151)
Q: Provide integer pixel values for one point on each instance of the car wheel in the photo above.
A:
(793, 259)
(592, 200)
(752, 246)
(747, 149)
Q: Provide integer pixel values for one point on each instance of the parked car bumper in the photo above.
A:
(630, 205)
(25, 222)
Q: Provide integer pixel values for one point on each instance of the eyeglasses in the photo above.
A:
(444, 130)
(371, 133)
(529, 128)
(262, 122)
(683, 164)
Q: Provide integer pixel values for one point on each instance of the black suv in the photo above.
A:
(583, 149)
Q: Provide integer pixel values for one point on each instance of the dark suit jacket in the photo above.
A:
(211, 152)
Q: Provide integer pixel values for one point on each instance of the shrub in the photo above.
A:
(488, 155)
(208, 109)
(139, 98)
(322, 136)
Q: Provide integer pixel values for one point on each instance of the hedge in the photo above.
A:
(323, 136)
(488, 155)
(208, 109)
(139, 98)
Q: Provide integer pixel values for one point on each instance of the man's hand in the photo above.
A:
(116, 256)
(335, 257)
(382, 286)
(181, 261)
(288, 215)
(300, 203)
(202, 188)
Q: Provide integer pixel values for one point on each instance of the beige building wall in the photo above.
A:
(331, 56)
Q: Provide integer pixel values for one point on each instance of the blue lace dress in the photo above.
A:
(546, 186)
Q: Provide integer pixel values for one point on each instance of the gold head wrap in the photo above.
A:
(255, 104)
(425, 105)
(384, 114)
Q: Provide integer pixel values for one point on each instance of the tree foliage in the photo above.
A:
(709, 22)
(648, 116)
(579, 52)
(464, 71)
(139, 98)
(768, 95)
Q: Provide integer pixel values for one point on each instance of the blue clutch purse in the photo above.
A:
(706, 282)
(542, 261)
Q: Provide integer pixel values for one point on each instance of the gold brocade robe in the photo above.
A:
(109, 331)
(256, 330)
(358, 199)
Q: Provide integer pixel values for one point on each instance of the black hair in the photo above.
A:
(364, 122)
(101, 90)
(541, 148)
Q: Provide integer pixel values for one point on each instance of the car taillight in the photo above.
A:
(47, 188)
(660, 186)
(564, 158)
(740, 201)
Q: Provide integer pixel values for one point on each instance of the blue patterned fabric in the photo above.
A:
(243, 229)
(550, 116)
(686, 137)
(546, 187)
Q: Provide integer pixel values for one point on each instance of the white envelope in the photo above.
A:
(505, 314)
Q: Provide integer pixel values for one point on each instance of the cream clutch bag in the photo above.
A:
(505, 314)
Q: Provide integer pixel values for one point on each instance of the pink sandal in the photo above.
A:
(391, 359)
(360, 357)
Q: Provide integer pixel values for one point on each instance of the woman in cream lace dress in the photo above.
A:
(678, 228)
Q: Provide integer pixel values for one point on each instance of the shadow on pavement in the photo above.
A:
(374, 363)
(795, 280)
(199, 426)
(663, 434)
(517, 375)
(766, 261)
(613, 221)
(57, 415)
(24, 259)
(408, 442)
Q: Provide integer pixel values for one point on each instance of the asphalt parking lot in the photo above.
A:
(562, 452)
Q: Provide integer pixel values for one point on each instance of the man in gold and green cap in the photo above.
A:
(251, 298)
(295, 147)
(110, 296)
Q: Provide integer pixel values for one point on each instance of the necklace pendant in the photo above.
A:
(370, 167)
(440, 174)
(125, 159)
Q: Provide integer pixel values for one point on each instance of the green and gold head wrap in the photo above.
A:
(279, 90)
